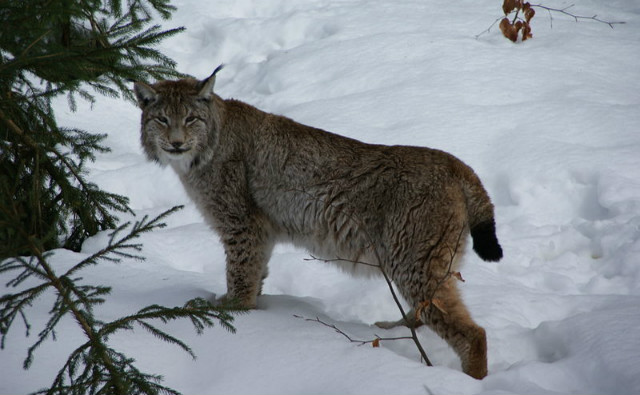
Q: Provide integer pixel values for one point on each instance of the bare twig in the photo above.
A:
(412, 328)
(352, 340)
(487, 30)
(576, 17)
(315, 258)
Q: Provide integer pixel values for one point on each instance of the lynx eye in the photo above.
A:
(162, 120)
(190, 119)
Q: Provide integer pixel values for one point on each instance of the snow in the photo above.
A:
(551, 125)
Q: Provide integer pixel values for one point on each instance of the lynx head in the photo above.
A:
(180, 121)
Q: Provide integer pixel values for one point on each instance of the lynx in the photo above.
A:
(260, 178)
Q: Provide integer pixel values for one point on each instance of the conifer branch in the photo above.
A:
(80, 317)
(104, 368)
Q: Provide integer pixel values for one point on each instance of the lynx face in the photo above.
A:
(178, 121)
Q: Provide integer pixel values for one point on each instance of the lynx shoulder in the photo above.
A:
(260, 178)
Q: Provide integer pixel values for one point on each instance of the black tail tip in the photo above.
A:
(485, 242)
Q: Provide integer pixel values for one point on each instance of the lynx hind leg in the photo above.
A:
(451, 320)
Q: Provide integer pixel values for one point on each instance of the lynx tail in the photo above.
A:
(482, 225)
(485, 242)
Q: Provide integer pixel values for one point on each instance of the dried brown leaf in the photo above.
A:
(458, 275)
(508, 30)
(376, 342)
(526, 32)
(518, 26)
(528, 14)
(508, 6)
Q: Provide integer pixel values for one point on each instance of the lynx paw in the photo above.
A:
(227, 300)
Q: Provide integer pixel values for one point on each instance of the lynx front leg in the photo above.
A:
(244, 230)
(248, 251)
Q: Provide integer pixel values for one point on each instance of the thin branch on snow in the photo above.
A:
(488, 30)
(352, 340)
(575, 17)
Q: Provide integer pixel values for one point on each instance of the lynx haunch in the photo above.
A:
(260, 178)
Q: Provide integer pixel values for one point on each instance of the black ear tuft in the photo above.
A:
(206, 86)
(220, 67)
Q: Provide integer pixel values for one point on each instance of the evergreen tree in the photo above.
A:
(64, 47)
(95, 367)
(74, 48)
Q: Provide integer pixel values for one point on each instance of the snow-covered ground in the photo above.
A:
(552, 126)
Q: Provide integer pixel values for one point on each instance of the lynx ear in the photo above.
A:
(144, 93)
(206, 85)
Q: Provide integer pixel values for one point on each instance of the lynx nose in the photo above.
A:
(177, 147)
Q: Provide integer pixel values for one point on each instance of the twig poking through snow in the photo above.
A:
(374, 342)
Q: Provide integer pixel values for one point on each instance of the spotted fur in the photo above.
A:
(260, 178)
